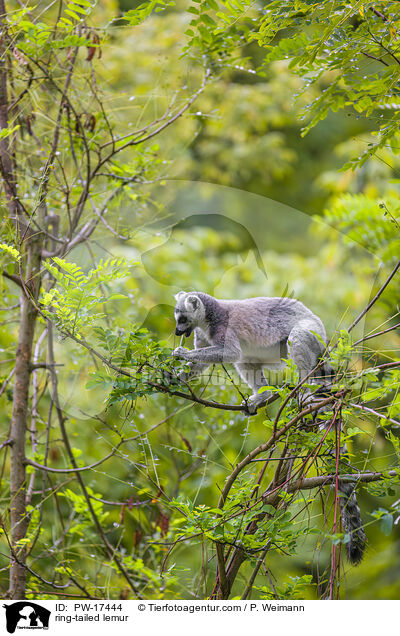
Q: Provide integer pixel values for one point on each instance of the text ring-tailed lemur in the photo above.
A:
(258, 333)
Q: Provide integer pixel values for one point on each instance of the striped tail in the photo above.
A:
(352, 523)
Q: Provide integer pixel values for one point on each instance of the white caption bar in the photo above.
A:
(120, 618)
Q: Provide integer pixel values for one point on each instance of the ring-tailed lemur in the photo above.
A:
(252, 334)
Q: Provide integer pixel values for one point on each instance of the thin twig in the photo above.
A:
(375, 298)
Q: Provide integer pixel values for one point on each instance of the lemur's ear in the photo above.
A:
(192, 303)
(179, 295)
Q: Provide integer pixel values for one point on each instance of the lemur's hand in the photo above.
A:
(251, 408)
(181, 352)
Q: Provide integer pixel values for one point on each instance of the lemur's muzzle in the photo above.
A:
(185, 332)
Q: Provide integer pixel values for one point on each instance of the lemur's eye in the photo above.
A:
(182, 319)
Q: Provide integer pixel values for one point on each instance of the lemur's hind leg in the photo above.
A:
(252, 374)
(304, 348)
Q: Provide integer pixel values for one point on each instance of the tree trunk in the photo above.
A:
(19, 520)
(30, 243)
(6, 161)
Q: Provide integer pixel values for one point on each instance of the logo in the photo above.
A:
(26, 615)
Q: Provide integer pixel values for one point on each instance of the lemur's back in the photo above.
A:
(273, 318)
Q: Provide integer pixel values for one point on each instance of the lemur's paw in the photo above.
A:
(180, 352)
(250, 406)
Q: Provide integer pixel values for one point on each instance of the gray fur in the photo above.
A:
(253, 334)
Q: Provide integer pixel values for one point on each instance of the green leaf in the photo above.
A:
(12, 251)
(6, 132)
(386, 523)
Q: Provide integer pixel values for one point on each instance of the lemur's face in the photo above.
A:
(186, 310)
(183, 324)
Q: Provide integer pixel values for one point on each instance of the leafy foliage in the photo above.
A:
(76, 298)
(157, 466)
